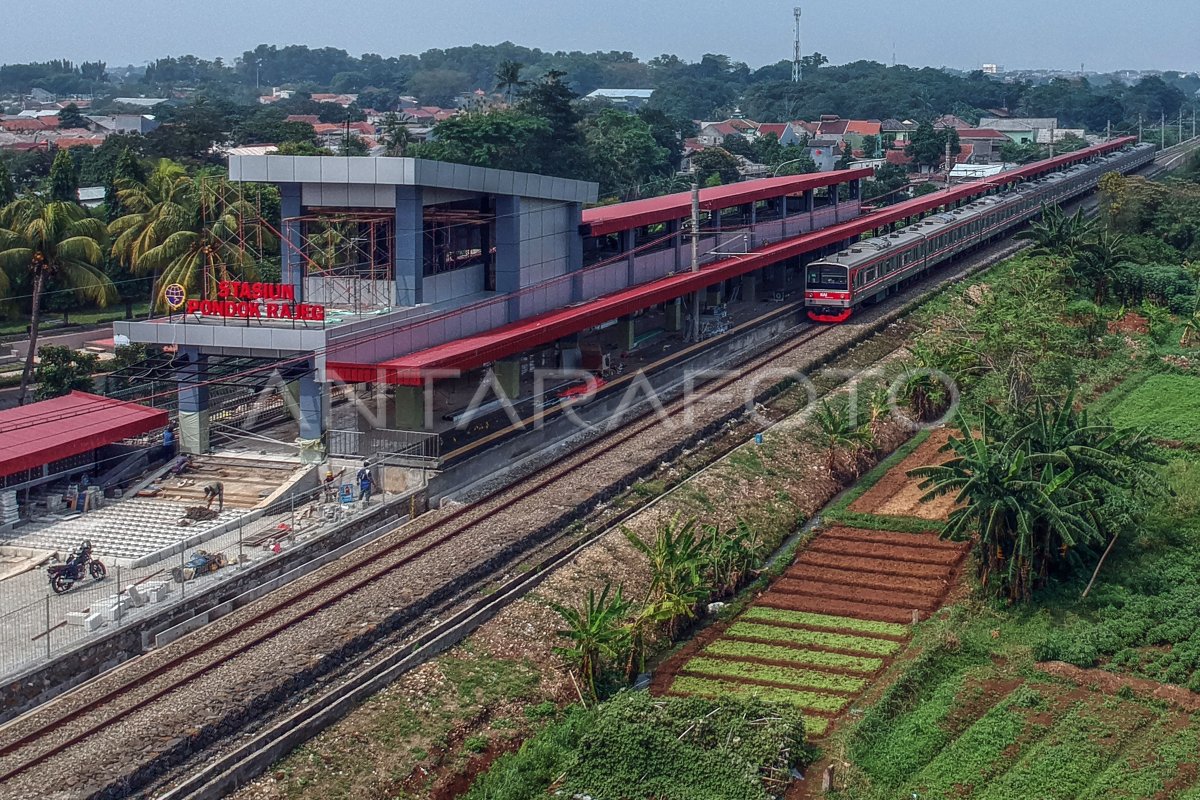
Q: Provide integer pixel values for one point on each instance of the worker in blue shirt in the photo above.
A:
(168, 444)
(365, 483)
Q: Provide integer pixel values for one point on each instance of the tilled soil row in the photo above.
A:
(930, 587)
(838, 591)
(775, 662)
(844, 608)
(914, 554)
(800, 687)
(928, 541)
(878, 566)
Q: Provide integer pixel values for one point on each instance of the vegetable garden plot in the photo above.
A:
(897, 495)
(828, 625)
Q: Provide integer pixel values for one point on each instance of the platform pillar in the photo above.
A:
(410, 412)
(193, 403)
(569, 354)
(626, 333)
(508, 376)
(575, 250)
(750, 287)
(312, 407)
(410, 245)
(508, 252)
(292, 266)
(675, 315)
(715, 294)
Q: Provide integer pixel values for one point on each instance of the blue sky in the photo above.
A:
(1102, 34)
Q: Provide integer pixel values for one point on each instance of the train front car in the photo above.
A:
(827, 292)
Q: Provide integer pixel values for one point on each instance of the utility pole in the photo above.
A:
(1181, 123)
(949, 166)
(797, 64)
(695, 253)
(1052, 141)
(1108, 131)
(1162, 129)
(1139, 127)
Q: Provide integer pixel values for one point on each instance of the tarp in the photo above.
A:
(50, 430)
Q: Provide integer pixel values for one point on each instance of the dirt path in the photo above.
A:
(898, 495)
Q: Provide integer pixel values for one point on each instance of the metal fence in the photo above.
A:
(417, 449)
(37, 625)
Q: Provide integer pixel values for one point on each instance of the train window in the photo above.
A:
(827, 276)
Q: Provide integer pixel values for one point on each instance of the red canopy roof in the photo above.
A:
(40, 433)
(516, 337)
(624, 216)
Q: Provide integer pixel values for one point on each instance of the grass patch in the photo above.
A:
(809, 679)
(1167, 405)
(812, 701)
(792, 655)
(836, 641)
(826, 621)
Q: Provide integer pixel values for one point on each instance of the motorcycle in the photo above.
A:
(77, 567)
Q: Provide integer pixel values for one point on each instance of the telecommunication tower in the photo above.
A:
(797, 69)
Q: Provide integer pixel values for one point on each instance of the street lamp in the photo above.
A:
(784, 164)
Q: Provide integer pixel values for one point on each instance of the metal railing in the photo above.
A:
(419, 449)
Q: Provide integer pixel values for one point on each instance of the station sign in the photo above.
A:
(243, 300)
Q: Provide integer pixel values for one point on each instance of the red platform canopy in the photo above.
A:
(50, 430)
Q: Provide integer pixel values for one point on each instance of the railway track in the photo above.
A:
(111, 707)
(106, 704)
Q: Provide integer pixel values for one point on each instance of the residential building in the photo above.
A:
(343, 100)
(1022, 130)
(825, 153)
(628, 99)
(122, 123)
(897, 131)
(140, 102)
(715, 133)
(986, 143)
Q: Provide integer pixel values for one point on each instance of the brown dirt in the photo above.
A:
(928, 540)
(1110, 683)
(1132, 322)
(914, 553)
(931, 587)
(858, 594)
(877, 566)
(841, 608)
(897, 495)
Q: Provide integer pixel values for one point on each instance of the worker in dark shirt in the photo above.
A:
(366, 483)
(215, 491)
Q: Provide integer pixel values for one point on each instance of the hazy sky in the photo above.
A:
(1103, 34)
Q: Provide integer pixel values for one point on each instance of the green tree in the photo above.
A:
(677, 570)
(843, 438)
(8, 190)
(1055, 234)
(52, 241)
(127, 170)
(509, 80)
(64, 181)
(184, 230)
(1036, 489)
(870, 146)
(70, 118)
(596, 634)
(1096, 264)
(396, 136)
(715, 163)
(927, 145)
(847, 157)
(507, 139)
(562, 150)
(61, 370)
(622, 151)
(302, 149)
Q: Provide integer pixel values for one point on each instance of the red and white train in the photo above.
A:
(869, 270)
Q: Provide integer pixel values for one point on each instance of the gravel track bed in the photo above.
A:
(215, 703)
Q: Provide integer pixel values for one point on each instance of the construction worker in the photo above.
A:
(330, 484)
(215, 491)
(365, 483)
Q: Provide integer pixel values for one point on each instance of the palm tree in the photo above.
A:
(508, 79)
(677, 566)
(1054, 233)
(1098, 259)
(1034, 488)
(840, 434)
(52, 240)
(595, 633)
(1191, 328)
(731, 556)
(184, 230)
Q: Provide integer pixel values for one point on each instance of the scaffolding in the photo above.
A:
(347, 256)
